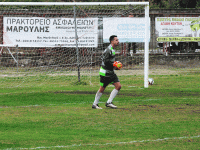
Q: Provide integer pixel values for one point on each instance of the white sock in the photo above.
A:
(97, 97)
(112, 95)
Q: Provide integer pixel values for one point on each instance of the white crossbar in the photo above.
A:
(73, 3)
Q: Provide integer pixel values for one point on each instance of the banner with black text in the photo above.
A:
(49, 32)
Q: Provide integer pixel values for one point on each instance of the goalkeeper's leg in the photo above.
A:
(114, 92)
(97, 97)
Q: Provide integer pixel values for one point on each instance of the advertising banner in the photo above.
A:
(49, 32)
(177, 29)
(127, 29)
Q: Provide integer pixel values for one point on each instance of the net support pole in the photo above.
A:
(12, 55)
(146, 51)
(76, 38)
(17, 58)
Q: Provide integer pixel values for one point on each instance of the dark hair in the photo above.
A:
(112, 38)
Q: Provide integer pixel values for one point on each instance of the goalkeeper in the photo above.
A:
(107, 74)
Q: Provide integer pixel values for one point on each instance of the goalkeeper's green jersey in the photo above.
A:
(108, 59)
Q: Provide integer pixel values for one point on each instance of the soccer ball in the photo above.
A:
(151, 81)
(117, 65)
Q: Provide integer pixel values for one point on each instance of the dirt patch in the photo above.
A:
(196, 111)
(130, 94)
(75, 92)
(148, 106)
(151, 72)
(155, 70)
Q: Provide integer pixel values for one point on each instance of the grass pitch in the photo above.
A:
(54, 112)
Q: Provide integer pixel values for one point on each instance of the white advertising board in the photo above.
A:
(49, 32)
(127, 29)
(177, 29)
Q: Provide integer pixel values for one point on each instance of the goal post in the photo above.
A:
(146, 53)
(71, 36)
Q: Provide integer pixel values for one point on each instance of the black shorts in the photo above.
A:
(105, 80)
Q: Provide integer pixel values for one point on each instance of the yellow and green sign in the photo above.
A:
(177, 29)
(178, 39)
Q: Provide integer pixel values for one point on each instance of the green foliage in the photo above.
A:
(30, 1)
(174, 4)
(154, 4)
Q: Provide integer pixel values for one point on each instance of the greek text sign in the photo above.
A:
(177, 29)
(127, 29)
(49, 32)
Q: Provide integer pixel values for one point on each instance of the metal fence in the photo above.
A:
(130, 54)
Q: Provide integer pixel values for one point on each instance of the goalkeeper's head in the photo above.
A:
(114, 41)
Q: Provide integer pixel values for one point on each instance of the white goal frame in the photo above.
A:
(146, 4)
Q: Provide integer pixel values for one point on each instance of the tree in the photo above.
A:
(172, 4)
(154, 4)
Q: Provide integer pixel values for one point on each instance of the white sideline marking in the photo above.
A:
(117, 143)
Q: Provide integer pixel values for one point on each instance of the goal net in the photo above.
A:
(42, 40)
